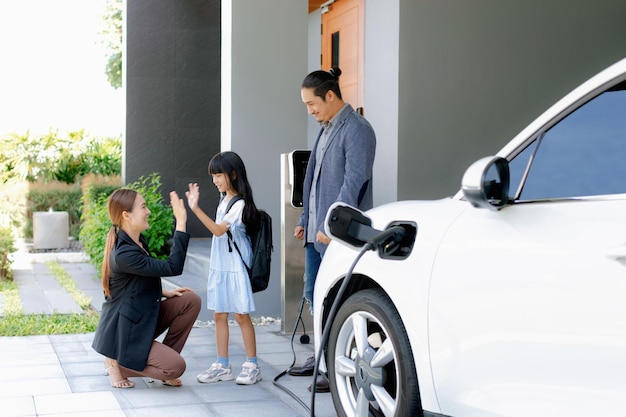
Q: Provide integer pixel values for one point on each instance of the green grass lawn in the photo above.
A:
(39, 324)
(15, 323)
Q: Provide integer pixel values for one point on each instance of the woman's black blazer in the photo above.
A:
(129, 316)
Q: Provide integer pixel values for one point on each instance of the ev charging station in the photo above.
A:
(293, 168)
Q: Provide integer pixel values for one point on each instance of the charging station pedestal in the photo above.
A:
(293, 168)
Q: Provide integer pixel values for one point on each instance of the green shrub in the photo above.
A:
(58, 200)
(7, 246)
(96, 222)
(13, 206)
(161, 215)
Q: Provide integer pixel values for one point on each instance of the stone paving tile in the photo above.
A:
(41, 293)
(18, 407)
(62, 302)
(80, 403)
(33, 387)
(35, 302)
(46, 281)
(26, 372)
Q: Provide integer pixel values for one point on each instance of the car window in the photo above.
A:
(582, 155)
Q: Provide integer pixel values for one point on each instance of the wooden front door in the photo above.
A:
(342, 46)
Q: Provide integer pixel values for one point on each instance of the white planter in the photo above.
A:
(51, 230)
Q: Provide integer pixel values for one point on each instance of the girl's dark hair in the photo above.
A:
(231, 164)
(323, 81)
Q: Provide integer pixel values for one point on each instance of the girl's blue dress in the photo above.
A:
(228, 287)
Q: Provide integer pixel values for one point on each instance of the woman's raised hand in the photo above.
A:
(178, 206)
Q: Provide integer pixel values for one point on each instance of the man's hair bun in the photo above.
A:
(335, 72)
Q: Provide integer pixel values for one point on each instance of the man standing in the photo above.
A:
(339, 169)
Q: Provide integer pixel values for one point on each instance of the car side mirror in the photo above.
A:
(486, 182)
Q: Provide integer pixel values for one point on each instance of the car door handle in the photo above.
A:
(617, 254)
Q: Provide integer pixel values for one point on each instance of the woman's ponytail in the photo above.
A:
(106, 266)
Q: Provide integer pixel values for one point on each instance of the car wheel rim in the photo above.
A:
(366, 366)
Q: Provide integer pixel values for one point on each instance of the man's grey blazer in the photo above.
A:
(346, 170)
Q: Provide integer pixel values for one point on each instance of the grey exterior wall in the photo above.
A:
(264, 116)
(172, 84)
(473, 74)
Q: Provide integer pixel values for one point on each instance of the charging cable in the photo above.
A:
(324, 340)
(283, 373)
(393, 235)
(331, 317)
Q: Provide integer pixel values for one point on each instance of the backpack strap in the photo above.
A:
(230, 239)
(230, 235)
(233, 201)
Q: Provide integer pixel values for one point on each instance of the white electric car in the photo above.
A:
(507, 299)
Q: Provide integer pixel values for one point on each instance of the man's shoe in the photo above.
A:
(321, 385)
(304, 370)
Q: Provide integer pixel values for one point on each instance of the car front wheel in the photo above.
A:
(370, 363)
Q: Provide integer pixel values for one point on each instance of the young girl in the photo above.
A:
(228, 287)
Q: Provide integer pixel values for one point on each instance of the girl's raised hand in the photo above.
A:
(193, 195)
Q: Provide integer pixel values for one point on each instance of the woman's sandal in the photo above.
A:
(173, 382)
(113, 371)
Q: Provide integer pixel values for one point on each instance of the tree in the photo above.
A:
(112, 39)
(54, 157)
